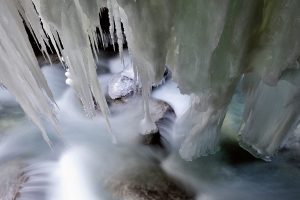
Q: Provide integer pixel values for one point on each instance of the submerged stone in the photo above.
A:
(146, 183)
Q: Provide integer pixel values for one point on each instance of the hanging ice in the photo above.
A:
(272, 104)
(277, 44)
(75, 26)
(17, 52)
(213, 68)
(147, 42)
(264, 132)
(208, 46)
(20, 72)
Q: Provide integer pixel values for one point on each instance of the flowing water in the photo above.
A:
(84, 164)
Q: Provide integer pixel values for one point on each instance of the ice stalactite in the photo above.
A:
(115, 24)
(20, 72)
(118, 25)
(33, 21)
(215, 65)
(264, 132)
(199, 127)
(147, 25)
(277, 46)
(272, 104)
(208, 46)
(71, 20)
(76, 27)
(147, 124)
(111, 22)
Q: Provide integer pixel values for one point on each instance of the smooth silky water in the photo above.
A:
(84, 164)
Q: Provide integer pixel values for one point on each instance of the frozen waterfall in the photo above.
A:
(209, 46)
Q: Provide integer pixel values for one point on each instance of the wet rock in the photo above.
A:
(11, 179)
(161, 113)
(37, 182)
(158, 109)
(164, 116)
(145, 183)
(151, 139)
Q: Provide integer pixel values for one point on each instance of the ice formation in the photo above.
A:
(208, 45)
(264, 132)
(20, 72)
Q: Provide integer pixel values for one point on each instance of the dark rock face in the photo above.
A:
(145, 183)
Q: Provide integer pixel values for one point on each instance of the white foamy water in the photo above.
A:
(84, 160)
(170, 93)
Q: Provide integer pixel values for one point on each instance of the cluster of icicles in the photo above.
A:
(210, 46)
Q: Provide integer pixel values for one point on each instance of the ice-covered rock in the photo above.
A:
(122, 84)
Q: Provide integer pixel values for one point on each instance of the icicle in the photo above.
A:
(20, 72)
(153, 19)
(74, 26)
(111, 22)
(117, 20)
(93, 45)
(102, 37)
(278, 43)
(147, 125)
(96, 46)
(207, 44)
(270, 114)
(215, 68)
(55, 40)
(33, 21)
(48, 29)
(148, 55)
(200, 125)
